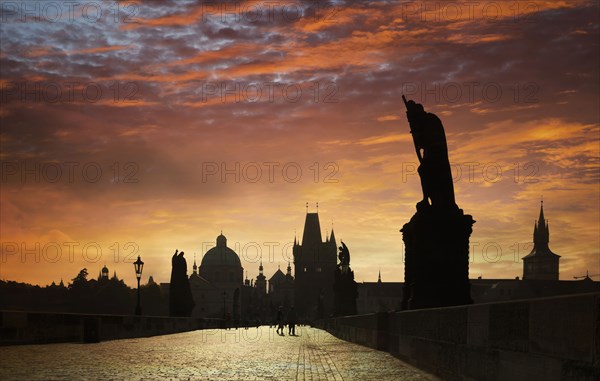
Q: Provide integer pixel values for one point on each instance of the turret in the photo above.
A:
(541, 262)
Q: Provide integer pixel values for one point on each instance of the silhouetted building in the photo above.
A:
(315, 263)
(219, 276)
(498, 290)
(541, 263)
(378, 296)
(281, 288)
(261, 280)
(103, 274)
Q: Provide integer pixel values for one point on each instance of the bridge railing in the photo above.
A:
(555, 338)
(17, 327)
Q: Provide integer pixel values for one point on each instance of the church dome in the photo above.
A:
(221, 255)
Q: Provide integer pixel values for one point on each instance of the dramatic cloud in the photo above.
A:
(137, 127)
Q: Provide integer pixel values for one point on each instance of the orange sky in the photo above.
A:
(119, 122)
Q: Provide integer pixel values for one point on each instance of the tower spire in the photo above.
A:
(541, 262)
(541, 220)
(379, 276)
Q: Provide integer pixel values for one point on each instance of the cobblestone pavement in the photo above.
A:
(245, 355)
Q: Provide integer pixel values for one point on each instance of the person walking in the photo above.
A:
(291, 319)
(279, 329)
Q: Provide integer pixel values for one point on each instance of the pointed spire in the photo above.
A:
(379, 277)
(332, 238)
(541, 220)
(289, 269)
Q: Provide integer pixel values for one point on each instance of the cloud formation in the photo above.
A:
(161, 123)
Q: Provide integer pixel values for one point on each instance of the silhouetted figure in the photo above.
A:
(279, 321)
(344, 255)
(432, 151)
(344, 287)
(291, 320)
(436, 239)
(181, 302)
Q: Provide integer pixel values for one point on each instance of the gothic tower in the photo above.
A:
(261, 280)
(541, 263)
(314, 267)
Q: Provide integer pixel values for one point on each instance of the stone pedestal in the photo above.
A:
(345, 292)
(436, 268)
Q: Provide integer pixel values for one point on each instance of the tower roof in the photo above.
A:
(541, 237)
(332, 237)
(277, 277)
(312, 230)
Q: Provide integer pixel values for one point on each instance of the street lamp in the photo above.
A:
(139, 267)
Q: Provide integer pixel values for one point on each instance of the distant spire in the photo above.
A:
(541, 235)
(289, 269)
(541, 220)
(307, 207)
(379, 277)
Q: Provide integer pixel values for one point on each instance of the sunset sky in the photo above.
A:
(146, 127)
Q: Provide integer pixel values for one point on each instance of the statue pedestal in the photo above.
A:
(345, 292)
(436, 267)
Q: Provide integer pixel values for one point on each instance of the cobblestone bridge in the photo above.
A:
(243, 354)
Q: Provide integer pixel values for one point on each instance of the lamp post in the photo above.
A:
(139, 267)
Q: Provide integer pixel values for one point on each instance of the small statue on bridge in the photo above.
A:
(344, 287)
(181, 302)
(344, 256)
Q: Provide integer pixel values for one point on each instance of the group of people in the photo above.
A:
(290, 319)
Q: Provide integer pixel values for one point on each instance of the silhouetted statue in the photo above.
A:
(432, 151)
(436, 239)
(344, 287)
(181, 302)
(344, 255)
